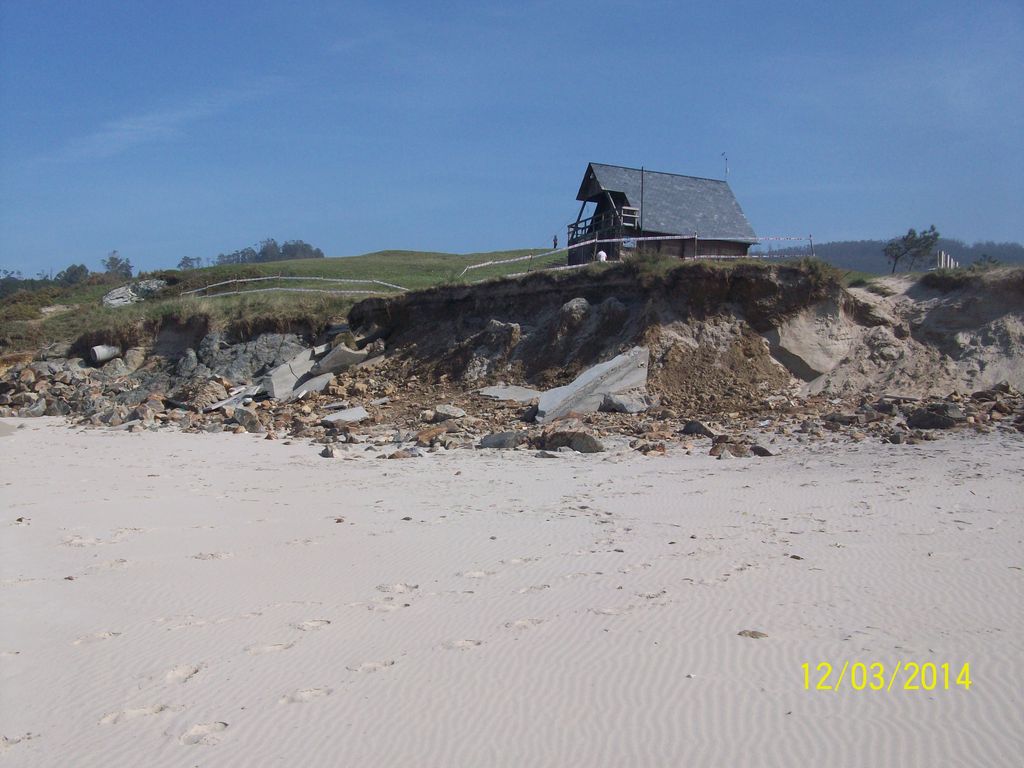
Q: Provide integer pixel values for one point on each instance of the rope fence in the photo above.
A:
(297, 290)
(650, 238)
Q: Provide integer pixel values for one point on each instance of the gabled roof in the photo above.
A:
(672, 204)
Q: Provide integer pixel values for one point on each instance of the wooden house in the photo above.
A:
(694, 217)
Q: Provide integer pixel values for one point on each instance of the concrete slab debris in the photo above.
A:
(586, 392)
(511, 393)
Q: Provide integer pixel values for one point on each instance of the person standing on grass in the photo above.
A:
(554, 243)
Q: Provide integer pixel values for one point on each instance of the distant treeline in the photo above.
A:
(269, 250)
(869, 255)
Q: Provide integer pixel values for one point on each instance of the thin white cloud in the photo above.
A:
(117, 136)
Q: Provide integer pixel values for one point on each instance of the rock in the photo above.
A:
(346, 416)
(248, 419)
(187, 363)
(241, 363)
(330, 451)
(585, 394)
(120, 297)
(760, 450)
(339, 359)
(923, 418)
(753, 634)
(426, 437)
(697, 428)
(38, 408)
(199, 394)
(503, 440)
(134, 358)
(445, 412)
(403, 454)
(577, 440)
(510, 393)
(546, 455)
(624, 403)
(812, 342)
(647, 448)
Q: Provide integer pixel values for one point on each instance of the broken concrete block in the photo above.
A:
(585, 394)
(309, 386)
(339, 359)
(512, 394)
(347, 416)
(280, 382)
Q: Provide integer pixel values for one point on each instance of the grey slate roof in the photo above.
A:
(673, 204)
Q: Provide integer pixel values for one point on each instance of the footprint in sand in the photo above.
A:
(476, 574)
(461, 645)
(611, 611)
(397, 589)
(383, 606)
(311, 625)
(81, 541)
(202, 733)
(656, 598)
(6, 742)
(520, 560)
(213, 556)
(182, 673)
(305, 695)
(110, 565)
(123, 715)
(535, 588)
(257, 650)
(372, 666)
(523, 623)
(96, 637)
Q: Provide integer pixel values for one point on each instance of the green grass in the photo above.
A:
(23, 325)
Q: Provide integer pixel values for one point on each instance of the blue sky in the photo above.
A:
(178, 129)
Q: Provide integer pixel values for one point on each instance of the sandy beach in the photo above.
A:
(222, 600)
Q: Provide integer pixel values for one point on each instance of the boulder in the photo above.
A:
(586, 393)
(503, 440)
(445, 412)
(346, 416)
(697, 428)
(577, 440)
(624, 403)
(923, 418)
(248, 419)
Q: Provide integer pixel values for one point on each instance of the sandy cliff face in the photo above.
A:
(718, 338)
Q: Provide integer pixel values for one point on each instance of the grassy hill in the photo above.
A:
(30, 319)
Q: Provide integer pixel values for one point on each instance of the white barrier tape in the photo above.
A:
(649, 238)
(288, 277)
(290, 290)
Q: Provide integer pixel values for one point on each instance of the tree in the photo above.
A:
(115, 265)
(73, 275)
(269, 250)
(912, 247)
(190, 262)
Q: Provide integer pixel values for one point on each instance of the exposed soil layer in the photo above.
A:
(702, 323)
